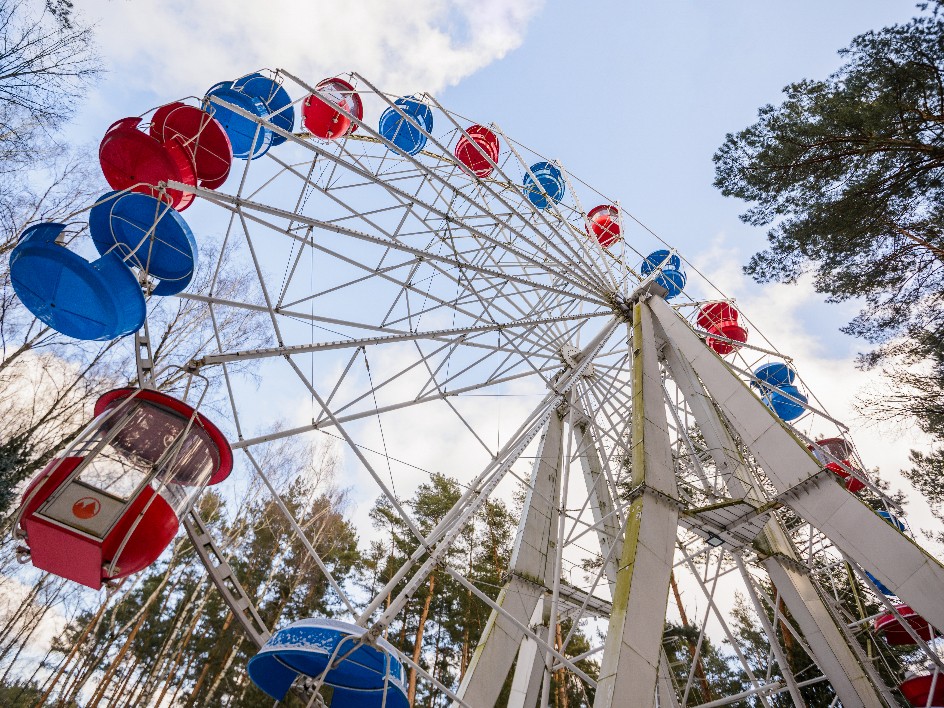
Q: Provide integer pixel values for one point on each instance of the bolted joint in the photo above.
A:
(622, 306)
(784, 559)
(645, 489)
(194, 365)
(374, 632)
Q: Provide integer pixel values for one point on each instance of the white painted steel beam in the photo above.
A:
(831, 652)
(540, 238)
(238, 203)
(475, 496)
(458, 333)
(667, 696)
(391, 188)
(531, 569)
(633, 649)
(910, 571)
(600, 500)
(607, 525)
(529, 669)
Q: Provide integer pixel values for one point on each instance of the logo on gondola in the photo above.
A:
(86, 507)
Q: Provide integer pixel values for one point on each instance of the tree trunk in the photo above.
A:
(403, 616)
(196, 689)
(561, 698)
(120, 691)
(418, 646)
(439, 626)
(464, 658)
(113, 667)
(199, 684)
(467, 615)
(699, 666)
(180, 684)
(134, 624)
(226, 666)
(175, 662)
(29, 624)
(787, 635)
(75, 647)
(24, 607)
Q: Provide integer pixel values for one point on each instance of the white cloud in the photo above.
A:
(172, 47)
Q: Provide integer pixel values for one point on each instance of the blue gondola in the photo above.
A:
(361, 676)
(549, 188)
(400, 131)
(248, 138)
(100, 300)
(672, 277)
(781, 401)
(273, 95)
(892, 520)
(146, 234)
(778, 390)
(775, 374)
(881, 586)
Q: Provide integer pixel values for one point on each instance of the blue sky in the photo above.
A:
(634, 98)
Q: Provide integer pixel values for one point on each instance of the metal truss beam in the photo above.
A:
(607, 524)
(531, 574)
(912, 573)
(458, 335)
(831, 651)
(633, 649)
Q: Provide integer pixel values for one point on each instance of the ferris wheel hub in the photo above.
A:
(622, 303)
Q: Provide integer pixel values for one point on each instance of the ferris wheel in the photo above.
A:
(430, 288)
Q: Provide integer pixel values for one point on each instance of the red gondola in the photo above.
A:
(836, 455)
(323, 120)
(918, 690)
(721, 319)
(201, 135)
(472, 153)
(132, 159)
(110, 504)
(604, 223)
(893, 629)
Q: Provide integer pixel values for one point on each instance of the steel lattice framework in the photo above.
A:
(397, 286)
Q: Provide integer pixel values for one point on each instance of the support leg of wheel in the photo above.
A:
(633, 649)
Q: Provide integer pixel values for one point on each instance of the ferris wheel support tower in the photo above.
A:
(633, 662)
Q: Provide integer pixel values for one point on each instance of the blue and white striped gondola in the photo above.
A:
(360, 675)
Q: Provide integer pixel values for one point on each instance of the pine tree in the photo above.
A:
(847, 175)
